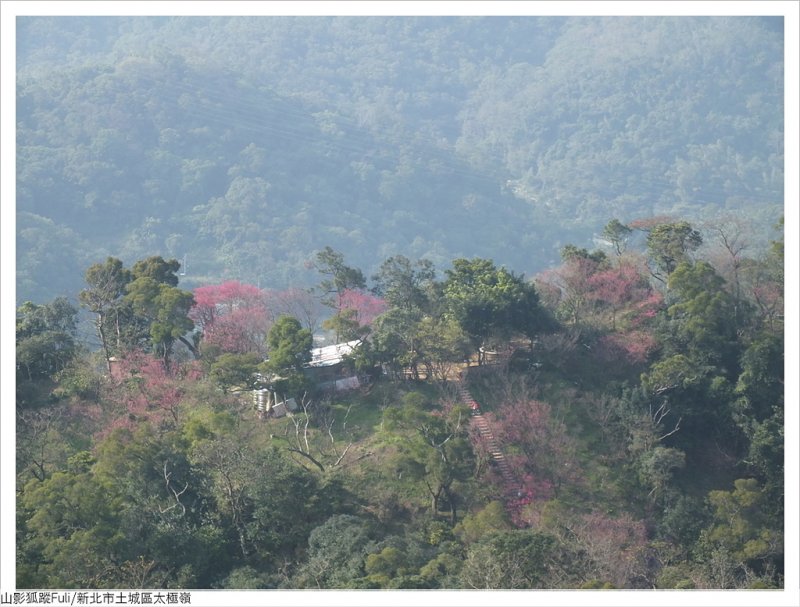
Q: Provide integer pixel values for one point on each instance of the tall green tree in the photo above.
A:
(617, 233)
(765, 457)
(159, 269)
(669, 244)
(703, 314)
(743, 532)
(289, 350)
(404, 284)
(166, 310)
(435, 448)
(760, 385)
(440, 344)
(488, 301)
(234, 372)
(104, 298)
(165, 514)
(69, 532)
(394, 340)
(267, 505)
(339, 277)
(45, 338)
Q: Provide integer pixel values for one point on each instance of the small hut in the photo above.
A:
(328, 366)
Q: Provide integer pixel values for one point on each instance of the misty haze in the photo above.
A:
(395, 303)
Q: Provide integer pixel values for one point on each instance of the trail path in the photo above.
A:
(511, 482)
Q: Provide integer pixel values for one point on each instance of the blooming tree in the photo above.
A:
(143, 390)
(367, 307)
(232, 316)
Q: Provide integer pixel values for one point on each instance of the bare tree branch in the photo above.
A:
(309, 457)
(674, 430)
(177, 494)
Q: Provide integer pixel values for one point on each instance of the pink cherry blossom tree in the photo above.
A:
(233, 317)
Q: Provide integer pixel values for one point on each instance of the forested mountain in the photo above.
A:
(546, 254)
(245, 145)
(616, 423)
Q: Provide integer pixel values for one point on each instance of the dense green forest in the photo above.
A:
(551, 250)
(243, 146)
(633, 395)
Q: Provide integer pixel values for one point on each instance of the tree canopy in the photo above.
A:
(427, 137)
(628, 433)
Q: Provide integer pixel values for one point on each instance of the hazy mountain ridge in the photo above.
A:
(248, 144)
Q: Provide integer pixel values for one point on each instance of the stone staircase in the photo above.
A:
(511, 482)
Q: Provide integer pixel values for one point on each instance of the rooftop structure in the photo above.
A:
(329, 356)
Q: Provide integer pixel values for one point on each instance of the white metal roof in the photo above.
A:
(332, 355)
